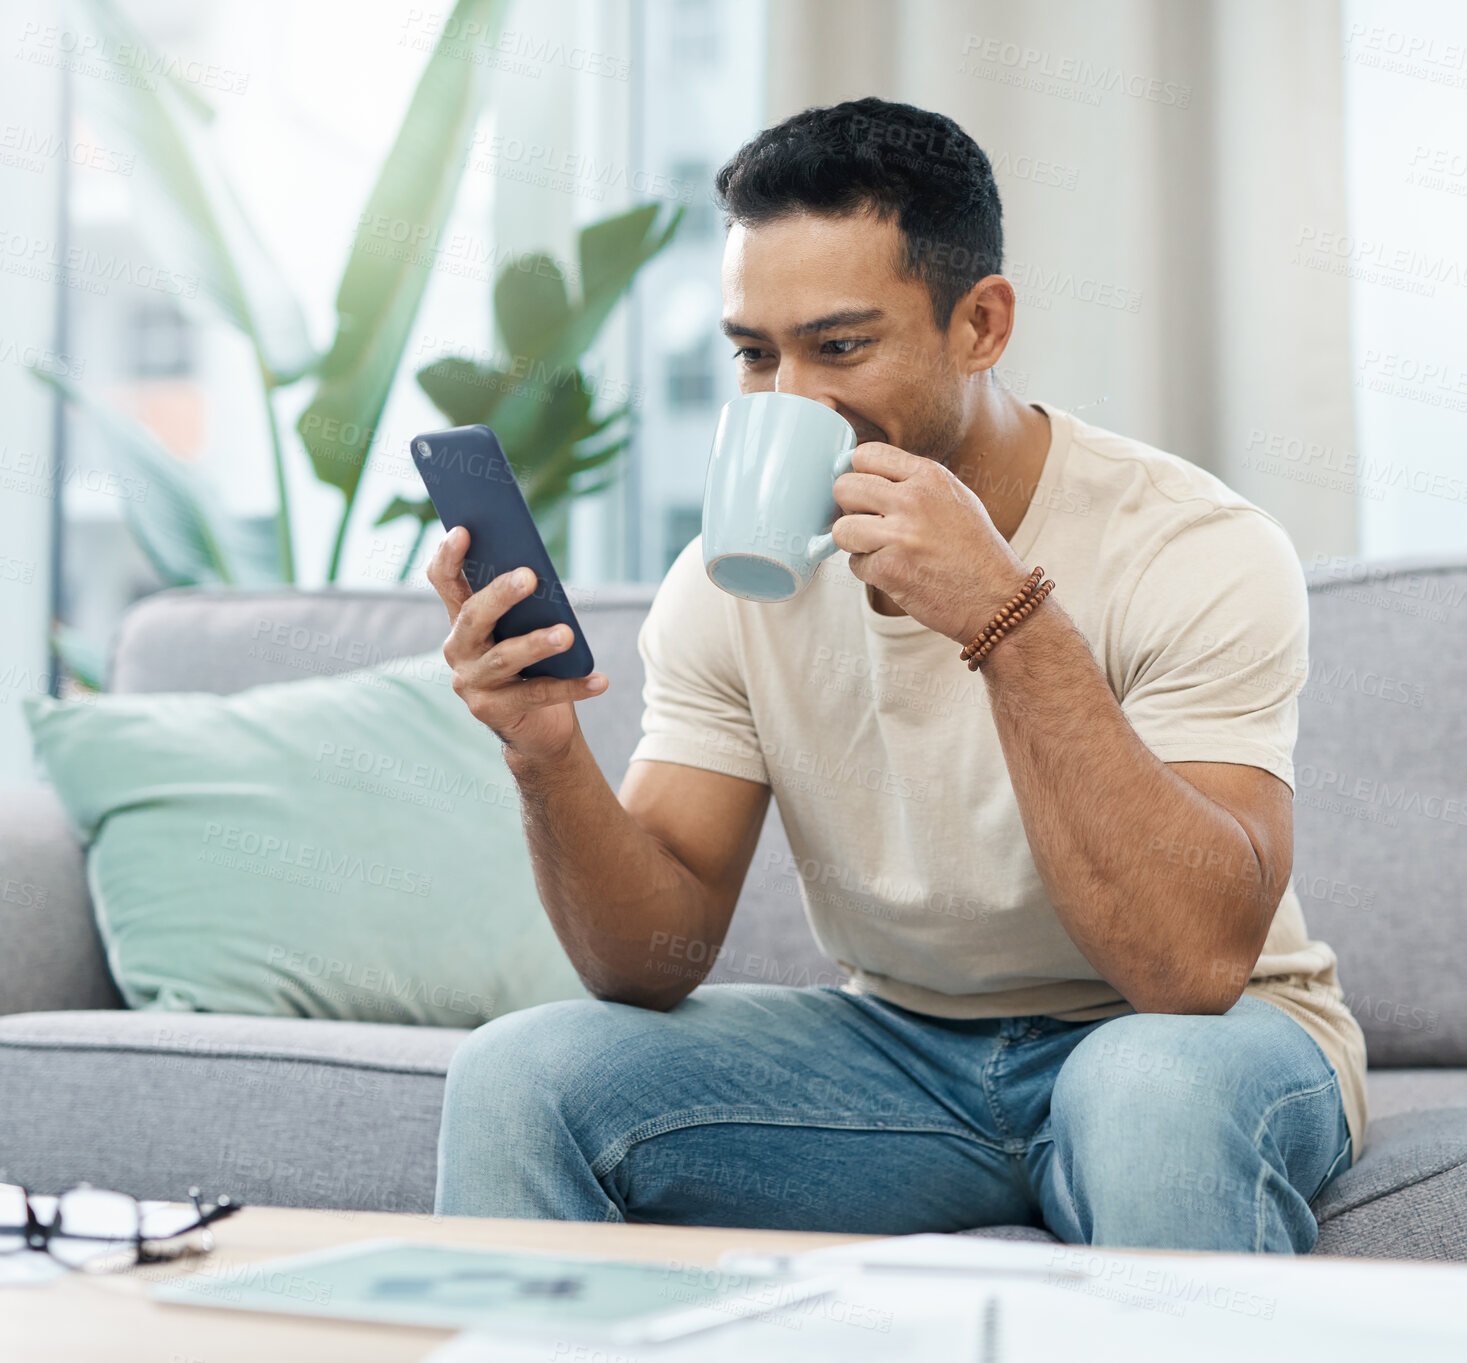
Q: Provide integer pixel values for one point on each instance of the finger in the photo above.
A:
(540, 691)
(507, 659)
(446, 574)
(449, 556)
(473, 630)
(859, 534)
(537, 692)
(869, 492)
(886, 460)
(857, 563)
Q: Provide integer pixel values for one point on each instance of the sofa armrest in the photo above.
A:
(52, 957)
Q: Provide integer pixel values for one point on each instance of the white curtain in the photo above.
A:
(1161, 163)
(1405, 75)
(30, 104)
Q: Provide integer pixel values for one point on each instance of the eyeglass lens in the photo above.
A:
(12, 1218)
(97, 1226)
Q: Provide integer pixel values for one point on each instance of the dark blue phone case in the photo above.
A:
(471, 484)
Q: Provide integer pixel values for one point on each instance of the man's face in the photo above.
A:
(817, 307)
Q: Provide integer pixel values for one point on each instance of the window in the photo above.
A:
(681, 525)
(694, 180)
(694, 32)
(698, 93)
(160, 343)
(690, 375)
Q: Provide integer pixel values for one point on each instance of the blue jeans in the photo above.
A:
(813, 1109)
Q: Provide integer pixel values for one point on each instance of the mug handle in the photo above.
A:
(823, 546)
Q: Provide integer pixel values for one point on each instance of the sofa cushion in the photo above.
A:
(1036, 1233)
(198, 639)
(1380, 804)
(1389, 1092)
(52, 956)
(340, 847)
(202, 639)
(273, 1111)
(1406, 1196)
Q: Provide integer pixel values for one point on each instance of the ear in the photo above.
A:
(981, 324)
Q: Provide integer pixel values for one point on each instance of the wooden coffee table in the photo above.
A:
(80, 1317)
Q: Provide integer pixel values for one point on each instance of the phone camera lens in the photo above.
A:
(423, 449)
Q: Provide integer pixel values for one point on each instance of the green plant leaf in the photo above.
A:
(601, 423)
(591, 459)
(610, 252)
(593, 488)
(550, 483)
(571, 460)
(172, 513)
(565, 414)
(531, 304)
(204, 244)
(562, 475)
(465, 392)
(384, 279)
(84, 661)
(420, 511)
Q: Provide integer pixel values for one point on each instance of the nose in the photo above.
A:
(791, 383)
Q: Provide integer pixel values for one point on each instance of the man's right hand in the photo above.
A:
(533, 717)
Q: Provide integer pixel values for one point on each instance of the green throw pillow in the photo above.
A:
(344, 847)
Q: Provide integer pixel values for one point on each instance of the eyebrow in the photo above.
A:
(848, 317)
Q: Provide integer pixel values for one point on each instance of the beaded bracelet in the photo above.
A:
(1008, 615)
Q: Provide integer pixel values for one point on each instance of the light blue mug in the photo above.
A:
(769, 500)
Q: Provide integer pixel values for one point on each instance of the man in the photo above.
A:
(1081, 994)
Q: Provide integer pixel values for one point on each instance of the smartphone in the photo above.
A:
(471, 484)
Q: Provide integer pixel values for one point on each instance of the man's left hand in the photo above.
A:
(918, 533)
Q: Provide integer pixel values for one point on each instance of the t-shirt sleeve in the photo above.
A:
(695, 697)
(1216, 641)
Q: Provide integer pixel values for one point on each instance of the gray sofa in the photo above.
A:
(292, 1112)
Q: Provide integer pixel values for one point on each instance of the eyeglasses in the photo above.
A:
(100, 1232)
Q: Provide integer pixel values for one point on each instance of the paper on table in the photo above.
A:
(875, 1318)
(928, 1253)
(883, 1315)
(1356, 1305)
(913, 1320)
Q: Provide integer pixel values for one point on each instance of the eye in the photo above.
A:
(852, 345)
(747, 354)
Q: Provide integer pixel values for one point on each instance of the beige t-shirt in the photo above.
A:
(885, 763)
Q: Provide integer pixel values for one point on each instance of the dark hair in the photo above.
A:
(895, 159)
